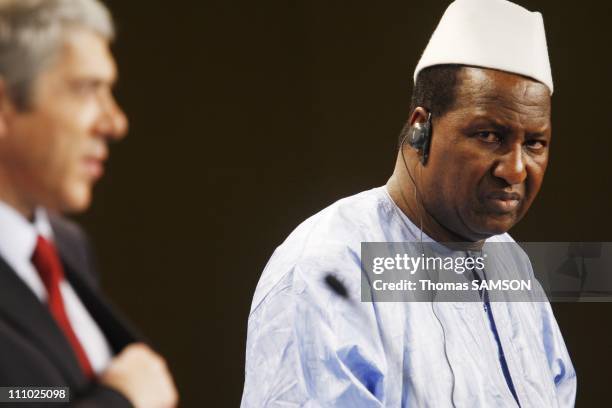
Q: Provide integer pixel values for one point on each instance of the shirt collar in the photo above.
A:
(18, 235)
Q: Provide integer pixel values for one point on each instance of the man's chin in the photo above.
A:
(497, 225)
(481, 226)
(75, 201)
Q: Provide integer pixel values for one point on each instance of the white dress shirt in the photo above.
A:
(18, 239)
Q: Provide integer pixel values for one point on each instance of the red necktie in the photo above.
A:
(48, 264)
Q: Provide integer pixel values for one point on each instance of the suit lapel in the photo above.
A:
(116, 329)
(23, 311)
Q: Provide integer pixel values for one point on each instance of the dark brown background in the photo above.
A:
(247, 117)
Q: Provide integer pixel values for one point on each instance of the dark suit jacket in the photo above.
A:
(33, 349)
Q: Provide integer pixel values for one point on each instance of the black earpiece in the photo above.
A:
(419, 137)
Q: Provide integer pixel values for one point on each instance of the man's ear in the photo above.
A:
(419, 115)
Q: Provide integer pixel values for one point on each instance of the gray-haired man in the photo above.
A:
(57, 115)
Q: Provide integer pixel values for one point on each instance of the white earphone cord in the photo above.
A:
(419, 197)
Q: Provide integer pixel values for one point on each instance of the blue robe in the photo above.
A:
(309, 347)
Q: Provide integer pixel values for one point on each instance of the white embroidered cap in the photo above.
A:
(490, 34)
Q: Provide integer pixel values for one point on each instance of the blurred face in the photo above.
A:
(488, 154)
(52, 153)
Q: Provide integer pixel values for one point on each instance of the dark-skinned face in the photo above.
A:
(488, 154)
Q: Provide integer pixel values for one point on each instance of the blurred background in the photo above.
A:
(247, 117)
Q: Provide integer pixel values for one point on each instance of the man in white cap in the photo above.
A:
(471, 161)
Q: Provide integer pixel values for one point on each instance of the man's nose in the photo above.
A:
(511, 166)
(113, 123)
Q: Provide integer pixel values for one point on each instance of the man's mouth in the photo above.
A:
(503, 202)
(94, 166)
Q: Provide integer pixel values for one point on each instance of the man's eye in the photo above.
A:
(488, 136)
(86, 87)
(536, 144)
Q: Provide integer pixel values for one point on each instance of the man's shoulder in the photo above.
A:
(327, 242)
(342, 225)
